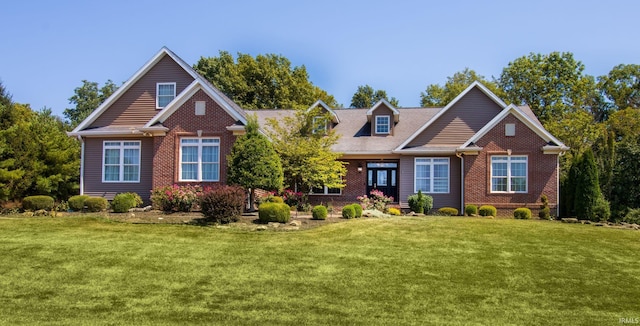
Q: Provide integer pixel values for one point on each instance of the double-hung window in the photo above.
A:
(319, 125)
(326, 191)
(165, 93)
(200, 159)
(382, 124)
(121, 161)
(431, 175)
(508, 173)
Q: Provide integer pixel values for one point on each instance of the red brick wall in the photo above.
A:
(356, 186)
(184, 123)
(542, 169)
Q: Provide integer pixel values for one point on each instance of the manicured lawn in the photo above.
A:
(431, 270)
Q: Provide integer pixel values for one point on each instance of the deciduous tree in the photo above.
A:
(436, 95)
(86, 99)
(622, 86)
(366, 97)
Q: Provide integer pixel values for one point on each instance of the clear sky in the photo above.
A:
(399, 46)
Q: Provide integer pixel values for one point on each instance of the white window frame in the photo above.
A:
(431, 162)
(380, 123)
(121, 146)
(158, 94)
(325, 191)
(508, 159)
(200, 144)
(315, 123)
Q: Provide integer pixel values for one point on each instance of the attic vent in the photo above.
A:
(510, 129)
(200, 107)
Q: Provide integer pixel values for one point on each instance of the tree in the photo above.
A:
(253, 163)
(307, 159)
(86, 99)
(588, 198)
(436, 95)
(264, 82)
(552, 85)
(625, 192)
(622, 86)
(366, 97)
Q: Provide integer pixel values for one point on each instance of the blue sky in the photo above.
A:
(49, 47)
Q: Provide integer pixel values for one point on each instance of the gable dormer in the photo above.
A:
(383, 117)
(323, 111)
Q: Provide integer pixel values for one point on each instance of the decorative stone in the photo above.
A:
(295, 223)
(261, 228)
(570, 220)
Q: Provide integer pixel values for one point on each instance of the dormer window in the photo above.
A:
(319, 125)
(382, 124)
(165, 93)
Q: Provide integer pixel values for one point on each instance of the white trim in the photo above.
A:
(325, 192)
(431, 164)
(199, 162)
(158, 107)
(509, 176)
(121, 164)
(477, 84)
(388, 124)
(396, 113)
(81, 165)
(323, 129)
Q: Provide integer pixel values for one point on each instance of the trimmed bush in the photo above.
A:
(471, 210)
(223, 205)
(448, 211)
(274, 212)
(348, 212)
(522, 213)
(123, 202)
(394, 211)
(35, 203)
(319, 212)
(76, 203)
(545, 212)
(96, 204)
(420, 203)
(487, 210)
(358, 210)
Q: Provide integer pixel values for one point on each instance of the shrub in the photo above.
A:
(123, 202)
(420, 203)
(34, 203)
(471, 210)
(96, 204)
(175, 198)
(522, 213)
(601, 210)
(274, 212)
(319, 212)
(545, 212)
(632, 216)
(394, 211)
(448, 211)
(358, 209)
(76, 203)
(376, 200)
(348, 212)
(487, 210)
(293, 198)
(223, 205)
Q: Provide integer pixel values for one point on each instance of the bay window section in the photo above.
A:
(509, 174)
(431, 175)
(200, 159)
(121, 161)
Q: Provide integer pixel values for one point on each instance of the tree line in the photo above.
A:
(599, 115)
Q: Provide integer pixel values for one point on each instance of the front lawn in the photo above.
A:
(430, 270)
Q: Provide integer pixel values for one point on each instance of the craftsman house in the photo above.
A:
(168, 125)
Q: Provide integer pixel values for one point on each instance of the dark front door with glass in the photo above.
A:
(383, 176)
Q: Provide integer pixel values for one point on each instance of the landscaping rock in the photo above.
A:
(141, 209)
(599, 224)
(261, 228)
(295, 223)
(274, 225)
(570, 220)
(290, 228)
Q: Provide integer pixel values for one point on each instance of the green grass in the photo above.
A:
(418, 271)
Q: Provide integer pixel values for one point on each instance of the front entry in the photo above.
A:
(383, 177)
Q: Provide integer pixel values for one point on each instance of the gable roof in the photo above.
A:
(334, 116)
(396, 113)
(473, 85)
(216, 94)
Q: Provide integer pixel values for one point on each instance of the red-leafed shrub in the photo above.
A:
(223, 205)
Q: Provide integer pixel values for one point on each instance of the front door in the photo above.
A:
(383, 177)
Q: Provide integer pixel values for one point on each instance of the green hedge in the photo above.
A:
(96, 204)
(348, 212)
(448, 211)
(487, 210)
(76, 203)
(522, 213)
(274, 212)
(34, 203)
(420, 203)
(471, 210)
(123, 202)
(319, 212)
(358, 210)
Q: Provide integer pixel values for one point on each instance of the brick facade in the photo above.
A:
(542, 169)
(356, 185)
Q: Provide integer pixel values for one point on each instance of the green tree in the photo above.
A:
(253, 163)
(552, 85)
(264, 82)
(307, 159)
(622, 86)
(436, 95)
(86, 99)
(366, 97)
(625, 192)
(588, 197)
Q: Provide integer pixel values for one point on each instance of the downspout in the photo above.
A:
(461, 157)
(558, 183)
(81, 164)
